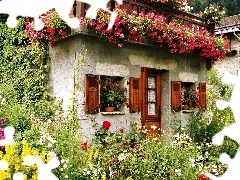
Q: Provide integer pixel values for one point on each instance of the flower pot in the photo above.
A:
(109, 109)
(185, 107)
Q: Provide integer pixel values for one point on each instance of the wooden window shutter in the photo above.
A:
(134, 94)
(91, 93)
(202, 95)
(176, 95)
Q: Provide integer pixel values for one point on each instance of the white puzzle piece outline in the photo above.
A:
(232, 131)
(44, 170)
(35, 8)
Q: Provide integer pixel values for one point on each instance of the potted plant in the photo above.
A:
(112, 95)
(189, 98)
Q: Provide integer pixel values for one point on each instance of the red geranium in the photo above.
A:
(84, 145)
(202, 177)
(121, 130)
(106, 124)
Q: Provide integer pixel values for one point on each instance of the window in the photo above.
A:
(102, 92)
(112, 93)
(176, 93)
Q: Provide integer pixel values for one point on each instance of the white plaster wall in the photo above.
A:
(105, 58)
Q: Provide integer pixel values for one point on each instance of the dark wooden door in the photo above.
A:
(151, 101)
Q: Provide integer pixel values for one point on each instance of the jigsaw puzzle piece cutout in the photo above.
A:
(34, 9)
(28, 8)
(229, 78)
(63, 12)
(232, 172)
(18, 176)
(9, 134)
(44, 170)
(3, 165)
(230, 131)
(102, 4)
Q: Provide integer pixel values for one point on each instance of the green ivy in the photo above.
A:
(23, 72)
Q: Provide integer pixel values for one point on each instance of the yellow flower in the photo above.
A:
(96, 154)
(26, 150)
(104, 177)
(90, 157)
(34, 177)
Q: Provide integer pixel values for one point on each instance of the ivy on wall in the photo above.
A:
(24, 69)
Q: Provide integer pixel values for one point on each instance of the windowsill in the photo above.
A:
(186, 111)
(113, 113)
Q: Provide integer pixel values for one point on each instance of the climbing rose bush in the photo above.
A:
(53, 30)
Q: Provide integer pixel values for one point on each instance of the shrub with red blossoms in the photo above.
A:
(106, 124)
(177, 36)
(202, 177)
(121, 130)
(84, 145)
(54, 28)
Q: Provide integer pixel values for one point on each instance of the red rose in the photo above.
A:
(84, 145)
(121, 130)
(106, 124)
(202, 177)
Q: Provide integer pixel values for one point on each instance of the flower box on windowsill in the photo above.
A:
(113, 113)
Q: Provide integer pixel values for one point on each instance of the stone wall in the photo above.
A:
(232, 62)
(104, 58)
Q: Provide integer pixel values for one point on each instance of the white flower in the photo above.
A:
(200, 158)
(3, 101)
(121, 157)
(85, 169)
(90, 166)
(154, 127)
(192, 161)
(49, 145)
(178, 172)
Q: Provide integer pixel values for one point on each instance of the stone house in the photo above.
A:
(230, 27)
(152, 76)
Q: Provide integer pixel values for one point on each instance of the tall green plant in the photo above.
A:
(203, 125)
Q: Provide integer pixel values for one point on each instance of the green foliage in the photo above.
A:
(203, 125)
(172, 159)
(23, 76)
(230, 6)
(17, 115)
